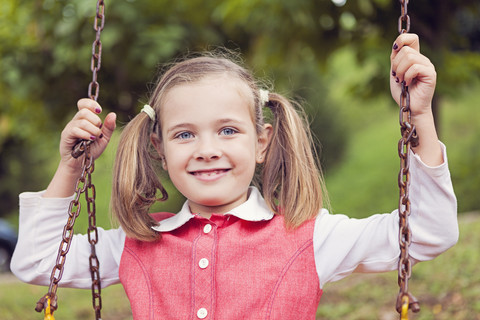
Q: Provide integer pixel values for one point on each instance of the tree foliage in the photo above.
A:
(46, 46)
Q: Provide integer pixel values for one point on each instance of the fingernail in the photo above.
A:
(404, 83)
(100, 136)
(92, 138)
(101, 125)
(98, 110)
(394, 73)
(395, 46)
(397, 80)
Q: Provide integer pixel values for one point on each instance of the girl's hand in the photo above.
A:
(409, 65)
(86, 125)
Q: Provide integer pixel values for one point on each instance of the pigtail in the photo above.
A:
(292, 182)
(135, 181)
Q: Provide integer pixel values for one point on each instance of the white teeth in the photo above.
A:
(208, 173)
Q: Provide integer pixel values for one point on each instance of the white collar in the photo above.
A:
(254, 209)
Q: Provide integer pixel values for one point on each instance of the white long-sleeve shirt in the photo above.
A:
(341, 245)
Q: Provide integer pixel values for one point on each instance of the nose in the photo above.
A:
(207, 150)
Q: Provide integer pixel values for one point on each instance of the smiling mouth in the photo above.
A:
(209, 173)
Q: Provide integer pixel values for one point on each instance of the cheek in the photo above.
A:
(176, 172)
(246, 157)
(174, 158)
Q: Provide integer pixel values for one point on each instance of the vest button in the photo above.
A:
(202, 313)
(207, 228)
(203, 263)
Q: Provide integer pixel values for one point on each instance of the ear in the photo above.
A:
(263, 142)
(158, 145)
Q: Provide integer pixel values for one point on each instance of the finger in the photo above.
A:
(109, 125)
(87, 115)
(89, 104)
(405, 40)
(83, 129)
(404, 60)
(82, 134)
(420, 72)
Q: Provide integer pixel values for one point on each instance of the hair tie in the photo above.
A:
(264, 96)
(149, 111)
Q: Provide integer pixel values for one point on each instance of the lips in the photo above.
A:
(209, 175)
(208, 172)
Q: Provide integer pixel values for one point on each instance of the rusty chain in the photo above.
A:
(405, 300)
(96, 63)
(94, 264)
(90, 193)
(83, 185)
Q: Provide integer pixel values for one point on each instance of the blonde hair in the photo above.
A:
(289, 179)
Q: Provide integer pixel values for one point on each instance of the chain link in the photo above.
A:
(94, 264)
(85, 186)
(404, 18)
(95, 64)
(405, 300)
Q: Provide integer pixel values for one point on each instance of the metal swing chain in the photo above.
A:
(90, 193)
(83, 185)
(405, 300)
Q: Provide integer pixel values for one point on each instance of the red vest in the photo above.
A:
(223, 268)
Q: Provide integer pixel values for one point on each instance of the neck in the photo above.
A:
(207, 211)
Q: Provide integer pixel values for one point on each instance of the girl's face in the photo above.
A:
(209, 142)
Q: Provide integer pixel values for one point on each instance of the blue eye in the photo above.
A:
(184, 135)
(228, 131)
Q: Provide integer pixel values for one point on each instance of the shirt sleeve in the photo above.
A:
(41, 224)
(343, 245)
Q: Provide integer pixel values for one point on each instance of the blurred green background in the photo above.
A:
(332, 55)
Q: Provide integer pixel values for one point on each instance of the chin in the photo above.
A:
(212, 203)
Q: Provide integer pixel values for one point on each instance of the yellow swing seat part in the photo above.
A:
(405, 306)
(48, 312)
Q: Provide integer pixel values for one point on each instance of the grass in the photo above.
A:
(447, 288)
(19, 300)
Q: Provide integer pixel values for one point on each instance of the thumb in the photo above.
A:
(107, 130)
(109, 125)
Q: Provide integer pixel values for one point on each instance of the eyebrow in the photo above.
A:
(177, 126)
(228, 120)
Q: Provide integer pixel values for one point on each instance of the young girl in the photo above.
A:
(234, 251)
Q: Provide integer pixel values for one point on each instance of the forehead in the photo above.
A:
(212, 95)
